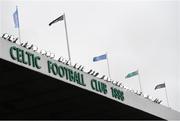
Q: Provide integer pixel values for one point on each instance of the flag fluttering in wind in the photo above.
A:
(101, 57)
(160, 86)
(56, 20)
(62, 17)
(132, 74)
(16, 18)
(16, 22)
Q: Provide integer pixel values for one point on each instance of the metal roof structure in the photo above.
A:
(34, 86)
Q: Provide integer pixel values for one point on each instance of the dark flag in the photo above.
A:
(160, 86)
(56, 20)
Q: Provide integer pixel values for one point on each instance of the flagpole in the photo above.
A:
(166, 94)
(139, 81)
(19, 35)
(19, 26)
(108, 65)
(67, 38)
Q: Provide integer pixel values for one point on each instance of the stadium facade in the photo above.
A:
(34, 86)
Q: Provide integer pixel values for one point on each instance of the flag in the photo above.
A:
(160, 86)
(16, 18)
(132, 74)
(56, 20)
(101, 57)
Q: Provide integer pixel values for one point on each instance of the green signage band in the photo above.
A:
(117, 94)
(30, 59)
(98, 86)
(24, 57)
(65, 72)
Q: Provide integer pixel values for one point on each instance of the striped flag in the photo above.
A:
(101, 57)
(160, 86)
(132, 74)
(16, 18)
(56, 20)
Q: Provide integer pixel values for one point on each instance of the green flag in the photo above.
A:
(132, 74)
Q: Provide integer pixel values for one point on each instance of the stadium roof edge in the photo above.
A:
(8, 50)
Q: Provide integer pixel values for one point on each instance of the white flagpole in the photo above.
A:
(19, 35)
(139, 81)
(67, 38)
(108, 66)
(18, 26)
(166, 94)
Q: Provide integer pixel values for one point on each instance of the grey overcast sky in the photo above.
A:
(136, 34)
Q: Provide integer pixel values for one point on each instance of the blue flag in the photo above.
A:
(101, 57)
(16, 18)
